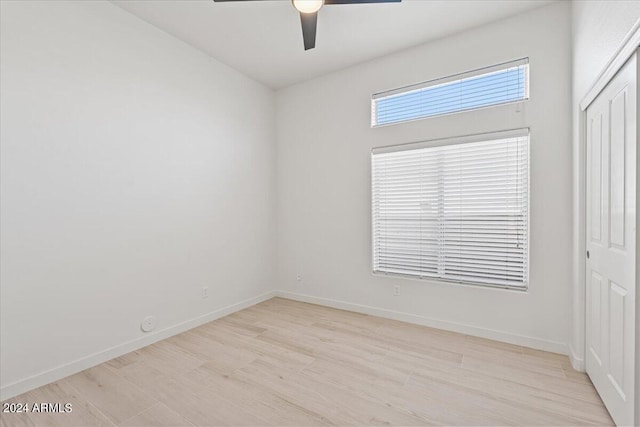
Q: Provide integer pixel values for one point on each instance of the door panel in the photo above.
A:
(596, 317)
(616, 184)
(616, 337)
(595, 127)
(611, 242)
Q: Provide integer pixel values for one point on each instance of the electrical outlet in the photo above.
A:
(299, 277)
(396, 291)
(205, 292)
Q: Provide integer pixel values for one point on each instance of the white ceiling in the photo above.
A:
(263, 39)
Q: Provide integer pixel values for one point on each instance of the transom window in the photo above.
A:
(498, 84)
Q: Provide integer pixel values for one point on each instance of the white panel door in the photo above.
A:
(611, 243)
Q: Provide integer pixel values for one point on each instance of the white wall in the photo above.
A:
(324, 144)
(135, 171)
(598, 29)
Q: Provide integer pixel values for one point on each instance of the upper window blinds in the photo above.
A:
(499, 84)
(456, 209)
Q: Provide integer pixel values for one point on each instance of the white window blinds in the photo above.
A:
(455, 209)
(498, 84)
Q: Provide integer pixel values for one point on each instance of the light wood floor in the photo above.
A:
(285, 363)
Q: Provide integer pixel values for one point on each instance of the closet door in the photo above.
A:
(611, 243)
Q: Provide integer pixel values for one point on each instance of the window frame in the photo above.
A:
(441, 81)
(456, 140)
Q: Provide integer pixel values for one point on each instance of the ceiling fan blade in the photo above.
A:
(309, 22)
(359, 1)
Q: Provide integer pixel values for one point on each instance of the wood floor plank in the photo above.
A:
(577, 390)
(158, 415)
(226, 358)
(352, 405)
(259, 402)
(287, 363)
(61, 392)
(169, 357)
(538, 399)
(280, 384)
(16, 419)
(480, 406)
(80, 412)
(285, 357)
(203, 406)
(111, 394)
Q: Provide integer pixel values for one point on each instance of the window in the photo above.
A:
(455, 209)
(499, 84)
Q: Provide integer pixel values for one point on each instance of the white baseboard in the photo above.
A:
(55, 374)
(522, 340)
(576, 362)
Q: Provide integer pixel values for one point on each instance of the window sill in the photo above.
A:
(437, 281)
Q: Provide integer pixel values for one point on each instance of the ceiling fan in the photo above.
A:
(309, 14)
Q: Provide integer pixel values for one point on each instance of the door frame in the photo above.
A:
(629, 46)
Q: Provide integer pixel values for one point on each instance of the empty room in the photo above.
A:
(319, 213)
